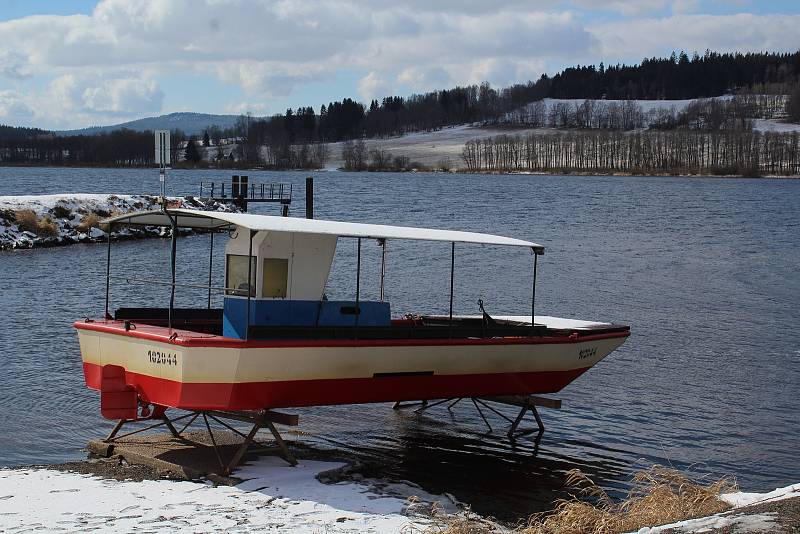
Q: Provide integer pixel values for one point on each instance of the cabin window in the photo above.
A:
(273, 284)
(236, 276)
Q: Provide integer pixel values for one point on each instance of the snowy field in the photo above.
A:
(429, 148)
(274, 497)
(432, 148)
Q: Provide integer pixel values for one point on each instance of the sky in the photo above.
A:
(71, 64)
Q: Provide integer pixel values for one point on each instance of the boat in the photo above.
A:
(278, 342)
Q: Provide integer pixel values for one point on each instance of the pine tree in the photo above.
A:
(192, 154)
(206, 139)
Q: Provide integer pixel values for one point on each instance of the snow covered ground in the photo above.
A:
(71, 218)
(274, 497)
(744, 522)
(431, 149)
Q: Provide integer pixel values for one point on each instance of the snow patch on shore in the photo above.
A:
(741, 499)
(69, 212)
(274, 497)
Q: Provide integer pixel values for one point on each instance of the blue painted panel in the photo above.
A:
(300, 313)
(335, 313)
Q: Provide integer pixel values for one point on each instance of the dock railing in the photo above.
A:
(240, 191)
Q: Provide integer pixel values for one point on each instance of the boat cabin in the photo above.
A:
(287, 276)
(276, 269)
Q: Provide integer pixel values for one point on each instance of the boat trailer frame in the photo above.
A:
(526, 403)
(258, 419)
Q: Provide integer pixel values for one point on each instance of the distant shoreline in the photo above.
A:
(418, 171)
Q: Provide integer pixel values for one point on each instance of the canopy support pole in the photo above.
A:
(452, 276)
(382, 243)
(210, 265)
(108, 270)
(249, 283)
(358, 284)
(173, 254)
(533, 291)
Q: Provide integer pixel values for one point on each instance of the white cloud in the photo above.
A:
(373, 86)
(638, 8)
(244, 108)
(12, 108)
(268, 47)
(723, 33)
(123, 95)
(73, 100)
(108, 64)
(13, 64)
(267, 79)
(424, 78)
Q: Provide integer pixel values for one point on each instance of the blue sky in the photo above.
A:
(80, 63)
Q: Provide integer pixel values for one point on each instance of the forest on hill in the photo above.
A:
(760, 84)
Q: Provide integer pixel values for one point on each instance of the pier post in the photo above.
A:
(210, 266)
(173, 254)
(309, 197)
(250, 290)
(358, 284)
(452, 277)
(382, 243)
(108, 270)
(533, 291)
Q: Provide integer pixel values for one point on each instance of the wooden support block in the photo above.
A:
(100, 448)
(260, 417)
(526, 400)
(288, 419)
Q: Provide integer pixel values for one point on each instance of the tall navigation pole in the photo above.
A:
(162, 160)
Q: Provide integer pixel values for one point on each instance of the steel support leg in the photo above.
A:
(482, 416)
(171, 427)
(287, 454)
(518, 420)
(241, 450)
(216, 448)
(538, 419)
(117, 428)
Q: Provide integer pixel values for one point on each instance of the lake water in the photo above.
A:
(706, 271)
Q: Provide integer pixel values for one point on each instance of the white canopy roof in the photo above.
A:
(219, 220)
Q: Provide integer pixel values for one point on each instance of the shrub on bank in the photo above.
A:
(26, 220)
(61, 212)
(89, 221)
(47, 227)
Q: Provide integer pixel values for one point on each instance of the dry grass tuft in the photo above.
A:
(89, 221)
(46, 227)
(658, 496)
(27, 220)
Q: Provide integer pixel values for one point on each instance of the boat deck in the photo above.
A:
(203, 327)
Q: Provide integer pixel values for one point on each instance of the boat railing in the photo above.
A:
(133, 280)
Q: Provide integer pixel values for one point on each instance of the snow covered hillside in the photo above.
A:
(441, 149)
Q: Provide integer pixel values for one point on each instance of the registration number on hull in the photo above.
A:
(587, 353)
(162, 358)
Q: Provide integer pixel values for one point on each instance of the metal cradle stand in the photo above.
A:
(258, 419)
(526, 403)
